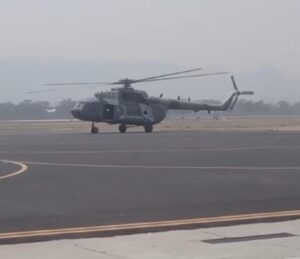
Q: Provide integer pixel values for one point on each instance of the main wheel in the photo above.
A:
(94, 130)
(122, 128)
(148, 128)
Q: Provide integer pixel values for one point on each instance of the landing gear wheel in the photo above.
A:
(148, 128)
(122, 128)
(94, 130)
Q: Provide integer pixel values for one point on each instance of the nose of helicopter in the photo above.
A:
(77, 111)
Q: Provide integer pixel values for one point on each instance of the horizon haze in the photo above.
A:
(67, 41)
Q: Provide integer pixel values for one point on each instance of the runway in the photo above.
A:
(77, 184)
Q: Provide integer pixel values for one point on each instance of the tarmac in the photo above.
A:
(76, 185)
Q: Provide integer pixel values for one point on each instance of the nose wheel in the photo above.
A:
(94, 129)
(122, 128)
(148, 128)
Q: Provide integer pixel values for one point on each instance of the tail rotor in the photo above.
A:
(237, 93)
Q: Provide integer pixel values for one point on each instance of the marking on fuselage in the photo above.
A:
(23, 169)
(148, 225)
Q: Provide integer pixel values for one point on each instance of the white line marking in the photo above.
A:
(23, 168)
(293, 168)
(148, 150)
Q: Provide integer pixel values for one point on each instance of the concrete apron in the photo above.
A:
(263, 240)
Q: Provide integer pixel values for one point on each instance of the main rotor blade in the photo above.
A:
(164, 75)
(179, 77)
(42, 91)
(70, 84)
(120, 82)
(132, 81)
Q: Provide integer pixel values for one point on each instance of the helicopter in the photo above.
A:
(129, 107)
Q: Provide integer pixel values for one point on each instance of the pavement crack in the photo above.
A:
(98, 251)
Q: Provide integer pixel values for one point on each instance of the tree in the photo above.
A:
(64, 107)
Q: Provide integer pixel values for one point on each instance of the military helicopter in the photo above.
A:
(128, 107)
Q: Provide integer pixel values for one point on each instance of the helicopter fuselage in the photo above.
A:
(121, 106)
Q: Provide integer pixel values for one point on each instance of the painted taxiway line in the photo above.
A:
(149, 225)
(253, 168)
(23, 168)
(150, 150)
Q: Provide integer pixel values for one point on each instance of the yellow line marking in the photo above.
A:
(23, 168)
(294, 168)
(149, 225)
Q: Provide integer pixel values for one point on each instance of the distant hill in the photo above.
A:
(19, 76)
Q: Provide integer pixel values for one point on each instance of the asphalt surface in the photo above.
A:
(78, 179)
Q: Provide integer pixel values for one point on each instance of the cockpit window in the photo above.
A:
(79, 105)
(110, 95)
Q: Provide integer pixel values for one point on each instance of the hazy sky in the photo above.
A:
(143, 37)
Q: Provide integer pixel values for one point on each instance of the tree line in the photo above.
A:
(244, 107)
(37, 110)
